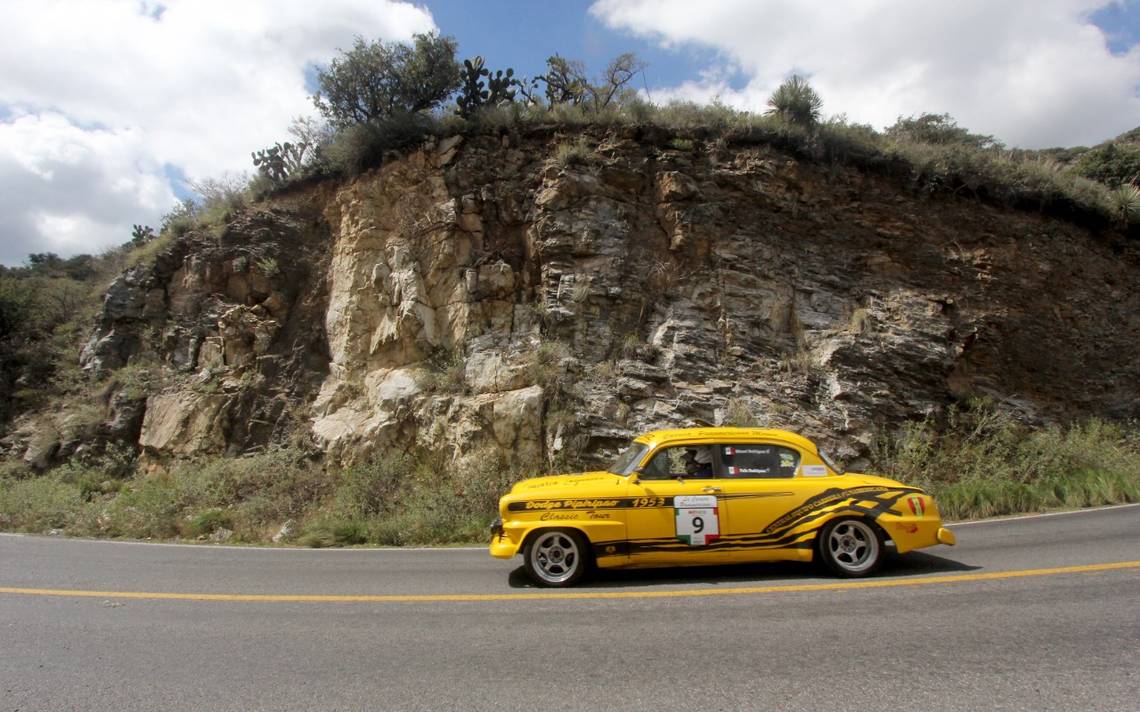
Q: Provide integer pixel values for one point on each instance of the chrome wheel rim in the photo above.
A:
(555, 557)
(853, 546)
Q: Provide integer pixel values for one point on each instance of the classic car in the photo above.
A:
(699, 496)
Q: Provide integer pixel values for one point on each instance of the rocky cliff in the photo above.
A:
(502, 290)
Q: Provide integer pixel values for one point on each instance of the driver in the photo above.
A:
(698, 462)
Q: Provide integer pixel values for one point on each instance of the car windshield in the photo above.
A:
(628, 459)
(830, 463)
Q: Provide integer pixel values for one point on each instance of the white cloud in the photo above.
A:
(101, 95)
(1034, 73)
(67, 190)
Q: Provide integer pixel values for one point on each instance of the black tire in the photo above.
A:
(851, 547)
(556, 558)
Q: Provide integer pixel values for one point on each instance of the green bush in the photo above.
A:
(360, 147)
(1111, 163)
(147, 508)
(39, 504)
(938, 130)
(446, 371)
(981, 462)
(577, 153)
(328, 532)
(207, 522)
(372, 487)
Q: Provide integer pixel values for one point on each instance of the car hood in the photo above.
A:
(536, 485)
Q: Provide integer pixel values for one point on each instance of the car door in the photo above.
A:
(759, 486)
(674, 514)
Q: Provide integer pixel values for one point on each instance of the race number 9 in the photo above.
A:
(697, 518)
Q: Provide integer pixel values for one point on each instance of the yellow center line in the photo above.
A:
(570, 595)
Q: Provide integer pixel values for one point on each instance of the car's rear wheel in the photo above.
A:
(556, 557)
(851, 547)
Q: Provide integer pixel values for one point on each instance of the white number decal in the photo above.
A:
(698, 519)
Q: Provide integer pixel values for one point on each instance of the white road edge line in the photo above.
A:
(1017, 518)
(341, 550)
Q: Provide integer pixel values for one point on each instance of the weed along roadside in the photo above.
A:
(981, 464)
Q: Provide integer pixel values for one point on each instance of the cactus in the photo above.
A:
(141, 234)
(280, 160)
(475, 93)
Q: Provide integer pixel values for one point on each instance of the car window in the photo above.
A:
(686, 461)
(768, 461)
(628, 459)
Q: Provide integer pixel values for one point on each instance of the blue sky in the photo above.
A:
(509, 33)
(522, 35)
(1121, 22)
(108, 108)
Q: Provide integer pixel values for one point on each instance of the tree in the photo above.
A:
(618, 74)
(566, 81)
(375, 80)
(796, 102)
(939, 129)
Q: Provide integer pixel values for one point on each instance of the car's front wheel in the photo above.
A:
(556, 557)
(851, 547)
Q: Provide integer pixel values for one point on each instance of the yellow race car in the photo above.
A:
(698, 496)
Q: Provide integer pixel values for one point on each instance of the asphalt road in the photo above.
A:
(952, 629)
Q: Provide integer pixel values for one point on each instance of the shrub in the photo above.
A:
(578, 153)
(39, 504)
(939, 130)
(446, 371)
(208, 522)
(372, 487)
(377, 80)
(333, 531)
(359, 147)
(1111, 163)
(146, 508)
(982, 462)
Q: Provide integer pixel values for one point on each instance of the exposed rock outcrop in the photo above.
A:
(474, 292)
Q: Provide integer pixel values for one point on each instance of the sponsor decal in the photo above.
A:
(738, 471)
(733, 451)
(917, 506)
(557, 516)
(550, 504)
(813, 471)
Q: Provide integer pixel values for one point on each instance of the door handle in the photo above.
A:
(710, 488)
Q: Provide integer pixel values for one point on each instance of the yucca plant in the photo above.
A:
(1125, 202)
(796, 102)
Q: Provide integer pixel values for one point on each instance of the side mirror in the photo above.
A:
(634, 478)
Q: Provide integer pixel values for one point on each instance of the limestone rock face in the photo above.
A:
(473, 293)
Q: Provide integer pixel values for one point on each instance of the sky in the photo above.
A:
(109, 109)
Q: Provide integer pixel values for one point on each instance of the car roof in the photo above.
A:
(658, 438)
